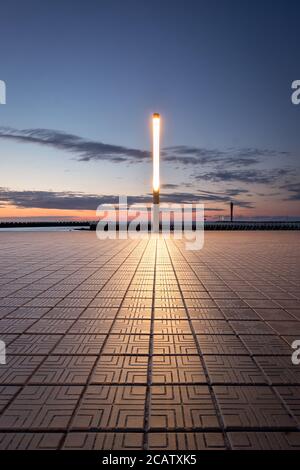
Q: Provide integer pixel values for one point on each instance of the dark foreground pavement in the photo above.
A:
(141, 344)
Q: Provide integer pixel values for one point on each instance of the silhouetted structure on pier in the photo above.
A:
(231, 211)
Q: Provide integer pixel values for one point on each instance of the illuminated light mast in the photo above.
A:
(155, 183)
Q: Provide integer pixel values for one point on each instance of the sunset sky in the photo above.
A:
(84, 77)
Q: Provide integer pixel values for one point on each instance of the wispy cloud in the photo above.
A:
(68, 200)
(71, 200)
(84, 149)
(245, 176)
(87, 150)
(232, 157)
(293, 189)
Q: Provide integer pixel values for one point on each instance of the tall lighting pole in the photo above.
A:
(155, 182)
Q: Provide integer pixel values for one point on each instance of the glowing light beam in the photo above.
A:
(156, 135)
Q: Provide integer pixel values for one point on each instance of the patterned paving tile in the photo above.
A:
(186, 441)
(205, 314)
(279, 369)
(64, 370)
(127, 344)
(76, 344)
(221, 344)
(162, 313)
(240, 314)
(252, 407)
(120, 369)
(291, 397)
(16, 325)
(127, 326)
(88, 326)
(100, 313)
(70, 313)
(285, 327)
(50, 326)
(213, 327)
(174, 344)
(103, 342)
(111, 407)
(266, 345)
(18, 369)
(251, 328)
(265, 440)
(274, 314)
(41, 407)
(30, 441)
(7, 392)
(174, 407)
(176, 327)
(233, 370)
(27, 312)
(33, 344)
(134, 313)
(104, 441)
(177, 369)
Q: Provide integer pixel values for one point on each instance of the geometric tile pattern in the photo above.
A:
(182, 407)
(111, 407)
(252, 407)
(288, 440)
(141, 344)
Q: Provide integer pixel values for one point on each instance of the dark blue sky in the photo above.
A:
(219, 72)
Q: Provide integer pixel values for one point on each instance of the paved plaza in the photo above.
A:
(140, 344)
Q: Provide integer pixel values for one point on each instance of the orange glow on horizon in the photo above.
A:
(15, 213)
(283, 208)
